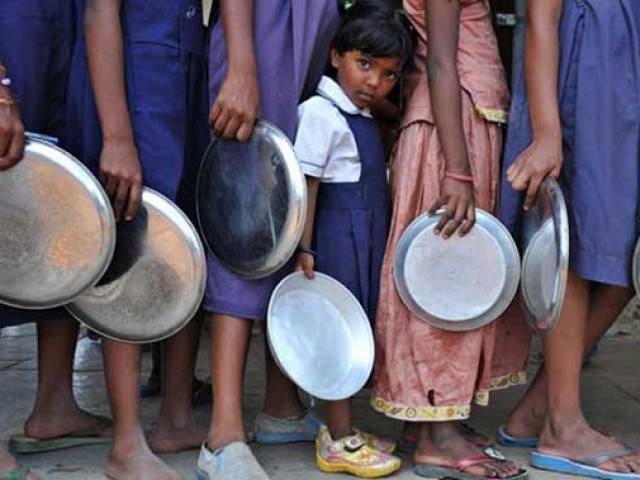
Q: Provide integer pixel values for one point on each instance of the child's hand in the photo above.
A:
(236, 107)
(542, 159)
(11, 131)
(121, 175)
(305, 263)
(460, 212)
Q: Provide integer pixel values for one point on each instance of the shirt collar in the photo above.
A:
(332, 91)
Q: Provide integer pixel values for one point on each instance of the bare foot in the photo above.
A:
(411, 433)
(8, 462)
(167, 437)
(135, 461)
(73, 419)
(446, 446)
(577, 440)
(525, 422)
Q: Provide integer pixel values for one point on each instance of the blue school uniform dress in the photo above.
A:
(36, 38)
(165, 76)
(291, 39)
(599, 100)
(340, 144)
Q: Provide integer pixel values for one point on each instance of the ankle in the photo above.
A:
(215, 441)
(561, 426)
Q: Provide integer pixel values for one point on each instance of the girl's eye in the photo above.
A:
(364, 63)
(393, 76)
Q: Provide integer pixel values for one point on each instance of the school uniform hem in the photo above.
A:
(234, 310)
(607, 269)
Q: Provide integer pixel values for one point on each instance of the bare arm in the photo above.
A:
(11, 128)
(120, 170)
(305, 261)
(442, 21)
(544, 157)
(237, 104)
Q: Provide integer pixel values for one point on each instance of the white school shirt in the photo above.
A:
(325, 145)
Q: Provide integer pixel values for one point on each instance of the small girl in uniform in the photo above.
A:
(341, 153)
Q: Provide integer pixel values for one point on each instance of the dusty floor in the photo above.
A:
(611, 398)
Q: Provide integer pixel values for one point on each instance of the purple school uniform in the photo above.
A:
(352, 220)
(292, 39)
(165, 74)
(36, 38)
(599, 99)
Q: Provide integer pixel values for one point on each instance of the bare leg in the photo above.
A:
(566, 433)
(281, 398)
(176, 428)
(130, 457)
(55, 412)
(606, 303)
(443, 444)
(339, 418)
(229, 347)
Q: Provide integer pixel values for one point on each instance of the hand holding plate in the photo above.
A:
(11, 131)
(459, 208)
(305, 263)
(121, 175)
(236, 108)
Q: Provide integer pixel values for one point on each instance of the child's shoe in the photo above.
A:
(380, 444)
(232, 462)
(273, 430)
(352, 454)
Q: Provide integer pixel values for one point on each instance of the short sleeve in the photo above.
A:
(315, 136)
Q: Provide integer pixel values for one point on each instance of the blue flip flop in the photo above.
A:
(585, 467)
(507, 440)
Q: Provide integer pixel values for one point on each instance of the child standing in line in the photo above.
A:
(341, 153)
(575, 117)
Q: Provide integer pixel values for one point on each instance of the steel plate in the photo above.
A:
(458, 284)
(320, 336)
(252, 202)
(58, 231)
(636, 268)
(156, 280)
(545, 263)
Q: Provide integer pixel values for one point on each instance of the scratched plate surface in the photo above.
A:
(57, 232)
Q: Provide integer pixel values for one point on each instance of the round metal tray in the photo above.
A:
(57, 232)
(252, 202)
(636, 268)
(320, 336)
(461, 283)
(545, 263)
(156, 281)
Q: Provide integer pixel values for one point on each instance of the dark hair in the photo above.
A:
(375, 27)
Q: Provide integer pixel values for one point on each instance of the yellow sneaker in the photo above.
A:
(352, 454)
(380, 444)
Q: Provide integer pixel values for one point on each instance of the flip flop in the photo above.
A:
(585, 467)
(25, 445)
(458, 471)
(19, 473)
(507, 440)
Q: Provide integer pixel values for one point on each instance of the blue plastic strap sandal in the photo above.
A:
(507, 440)
(585, 467)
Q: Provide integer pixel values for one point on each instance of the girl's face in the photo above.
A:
(364, 78)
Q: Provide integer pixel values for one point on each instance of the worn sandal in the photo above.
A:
(459, 470)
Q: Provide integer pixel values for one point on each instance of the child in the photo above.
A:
(575, 117)
(265, 56)
(447, 155)
(146, 124)
(341, 153)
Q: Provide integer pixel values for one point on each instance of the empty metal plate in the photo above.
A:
(545, 263)
(156, 280)
(57, 232)
(320, 336)
(252, 201)
(636, 268)
(461, 283)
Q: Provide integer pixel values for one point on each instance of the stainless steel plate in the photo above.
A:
(458, 284)
(320, 336)
(156, 281)
(252, 202)
(57, 231)
(636, 268)
(545, 263)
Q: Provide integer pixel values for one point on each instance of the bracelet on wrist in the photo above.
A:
(7, 101)
(306, 250)
(459, 176)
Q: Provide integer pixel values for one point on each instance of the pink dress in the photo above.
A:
(423, 373)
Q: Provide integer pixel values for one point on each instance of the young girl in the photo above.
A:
(341, 153)
(141, 120)
(575, 117)
(447, 154)
(265, 56)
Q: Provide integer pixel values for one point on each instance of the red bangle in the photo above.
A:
(459, 176)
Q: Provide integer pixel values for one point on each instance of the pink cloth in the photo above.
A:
(423, 373)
